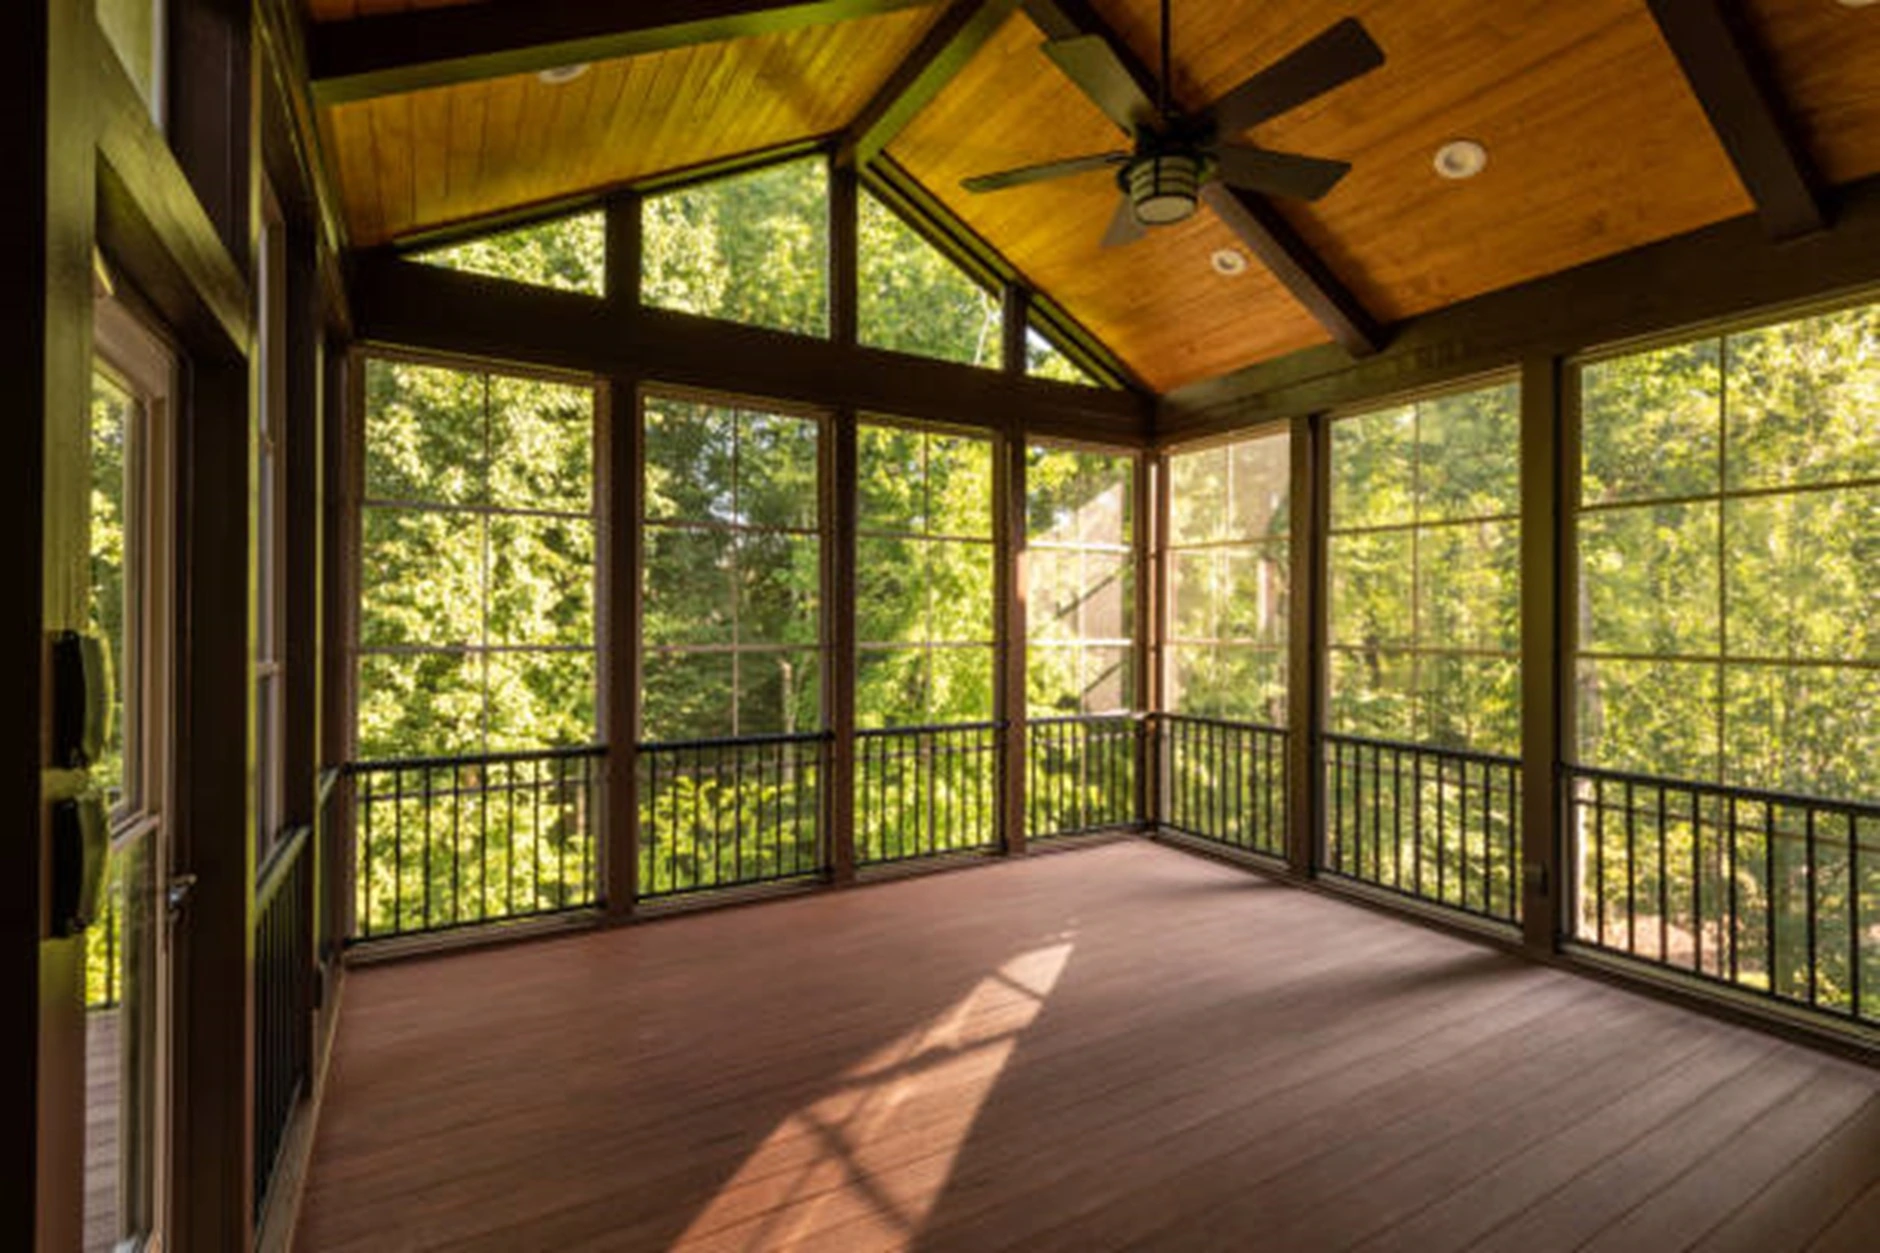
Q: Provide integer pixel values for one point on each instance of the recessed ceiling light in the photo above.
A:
(556, 75)
(1461, 158)
(1228, 261)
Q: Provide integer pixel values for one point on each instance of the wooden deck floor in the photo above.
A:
(1124, 1047)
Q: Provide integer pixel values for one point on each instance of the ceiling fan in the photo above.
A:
(1176, 153)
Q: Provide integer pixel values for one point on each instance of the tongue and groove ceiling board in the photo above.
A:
(424, 159)
(1596, 145)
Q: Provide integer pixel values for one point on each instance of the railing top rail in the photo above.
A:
(1858, 809)
(1121, 715)
(1427, 750)
(280, 861)
(386, 764)
(934, 728)
(1232, 724)
(736, 741)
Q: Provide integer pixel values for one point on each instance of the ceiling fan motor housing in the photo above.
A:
(1163, 187)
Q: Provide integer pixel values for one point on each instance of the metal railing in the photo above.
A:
(923, 791)
(731, 812)
(1768, 892)
(1442, 825)
(444, 842)
(1082, 773)
(1224, 781)
(283, 1022)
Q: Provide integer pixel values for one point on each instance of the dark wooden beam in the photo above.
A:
(1733, 81)
(400, 52)
(1723, 271)
(1267, 235)
(960, 33)
(408, 304)
(1299, 270)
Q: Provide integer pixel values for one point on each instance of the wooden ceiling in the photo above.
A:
(1596, 143)
(412, 162)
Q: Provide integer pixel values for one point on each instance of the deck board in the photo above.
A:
(1121, 1047)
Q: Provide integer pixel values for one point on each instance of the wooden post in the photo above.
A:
(844, 257)
(1544, 667)
(214, 818)
(617, 487)
(1150, 541)
(1008, 494)
(839, 506)
(1305, 653)
(622, 285)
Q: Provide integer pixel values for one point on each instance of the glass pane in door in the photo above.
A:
(121, 967)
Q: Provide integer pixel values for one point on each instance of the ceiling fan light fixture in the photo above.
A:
(1164, 188)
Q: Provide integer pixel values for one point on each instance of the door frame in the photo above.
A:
(126, 347)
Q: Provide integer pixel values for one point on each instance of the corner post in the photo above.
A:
(1149, 540)
(1543, 668)
(1008, 493)
(1305, 653)
(617, 447)
(839, 514)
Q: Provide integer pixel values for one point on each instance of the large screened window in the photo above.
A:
(1726, 805)
(1228, 579)
(751, 248)
(924, 573)
(1082, 747)
(733, 748)
(1425, 566)
(1729, 539)
(1424, 718)
(913, 298)
(731, 627)
(926, 755)
(1224, 658)
(477, 568)
(1081, 607)
(567, 253)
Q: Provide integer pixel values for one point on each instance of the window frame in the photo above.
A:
(1130, 548)
(989, 542)
(363, 502)
(1574, 507)
(825, 420)
(1416, 650)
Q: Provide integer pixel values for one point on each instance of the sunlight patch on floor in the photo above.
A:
(875, 1154)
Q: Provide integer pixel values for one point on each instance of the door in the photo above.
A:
(127, 975)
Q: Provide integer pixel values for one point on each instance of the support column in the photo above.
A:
(1544, 539)
(839, 506)
(1305, 653)
(844, 257)
(1150, 540)
(617, 485)
(1008, 493)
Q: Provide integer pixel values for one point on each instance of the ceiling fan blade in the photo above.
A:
(1278, 173)
(1090, 63)
(1039, 173)
(1340, 53)
(1124, 228)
